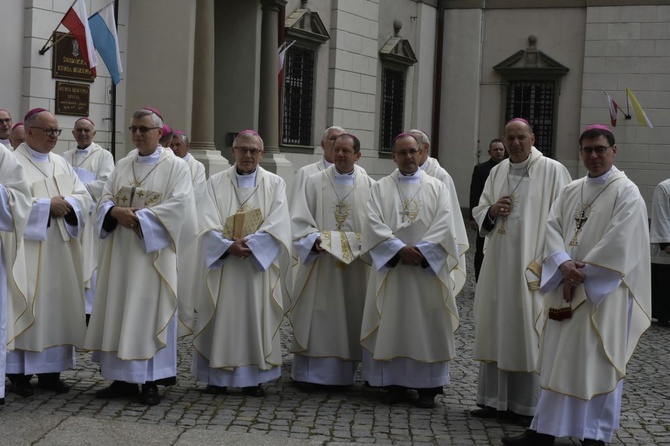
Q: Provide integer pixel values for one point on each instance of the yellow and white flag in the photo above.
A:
(641, 116)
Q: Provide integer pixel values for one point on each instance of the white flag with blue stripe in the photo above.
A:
(106, 41)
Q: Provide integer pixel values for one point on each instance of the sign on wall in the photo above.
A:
(67, 62)
(72, 98)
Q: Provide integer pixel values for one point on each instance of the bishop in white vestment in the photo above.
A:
(433, 168)
(512, 214)
(15, 204)
(597, 301)
(140, 218)
(329, 290)
(327, 141)
(410, 313)
(54, 257)
(246, 236)
(93, 165)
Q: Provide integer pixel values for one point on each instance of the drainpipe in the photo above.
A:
(437, 85)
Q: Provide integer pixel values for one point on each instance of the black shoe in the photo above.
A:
(255, 391)
(22, 387)
(484, 412)
(2, 401)
(149, 396)
(118, 389)
(307, 387)
(589, 442)
(425, 402)
(53, 383)
(214, 390)
(394, 396)
(523, 420)
(529, 438)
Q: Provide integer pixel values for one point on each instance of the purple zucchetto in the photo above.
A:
(32, 112)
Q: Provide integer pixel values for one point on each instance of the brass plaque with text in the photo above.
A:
(72, 99)
(67, 62)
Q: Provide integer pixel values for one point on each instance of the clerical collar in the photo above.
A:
(150, 159)
(602, 179)
(424, 166)
(346, 179)
(84, 150)
(410, 178)
(326, 163)
(186, 157)
(5, 142)
(246, 179)
(38, 156)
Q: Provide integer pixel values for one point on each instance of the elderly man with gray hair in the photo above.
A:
(140, 219)
(432, 167)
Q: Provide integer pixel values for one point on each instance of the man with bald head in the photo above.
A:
(327, 142)
(140, 220)
(54, 259)
(5, 127)
(179, 146)
(246, 230)
(93, 165)
(512, 214)
(17, 135)
(410, 313)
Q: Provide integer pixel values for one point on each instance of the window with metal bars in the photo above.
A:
(534, 101)
(298, 96)
(393, 105)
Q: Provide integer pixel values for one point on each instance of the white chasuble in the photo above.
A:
(53, 253)
(329, 294)
(93, 166)
(410, 311)
(508, 303)
(604, 226)
(244, 302)
(15, 202)
(432, 167)
(135, 298)
(17, 206)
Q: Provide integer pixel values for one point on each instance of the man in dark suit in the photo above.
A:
(479, 176)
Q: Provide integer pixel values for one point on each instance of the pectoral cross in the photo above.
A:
(580, 221)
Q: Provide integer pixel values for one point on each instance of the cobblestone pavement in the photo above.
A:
(354, 416)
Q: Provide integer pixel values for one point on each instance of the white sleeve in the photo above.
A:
(434, 253)
(384, 251)
(38, 220)
(303, 248)
(156, 237)
(264, 247)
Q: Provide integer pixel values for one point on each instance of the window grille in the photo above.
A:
(393, 105)
(298, 96)
(534, 101)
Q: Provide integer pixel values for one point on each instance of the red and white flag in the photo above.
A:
(76, 20)
(614, 109)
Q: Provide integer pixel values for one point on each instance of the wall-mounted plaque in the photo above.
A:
(72, 99)
(67, 62)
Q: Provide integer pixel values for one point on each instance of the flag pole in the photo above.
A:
(113, 89)
(44, 48)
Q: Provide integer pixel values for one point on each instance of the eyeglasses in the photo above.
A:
(599, 150)
(411, 152)
(49, 132)
(6, 121)
(245, 151)
(142, 129)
